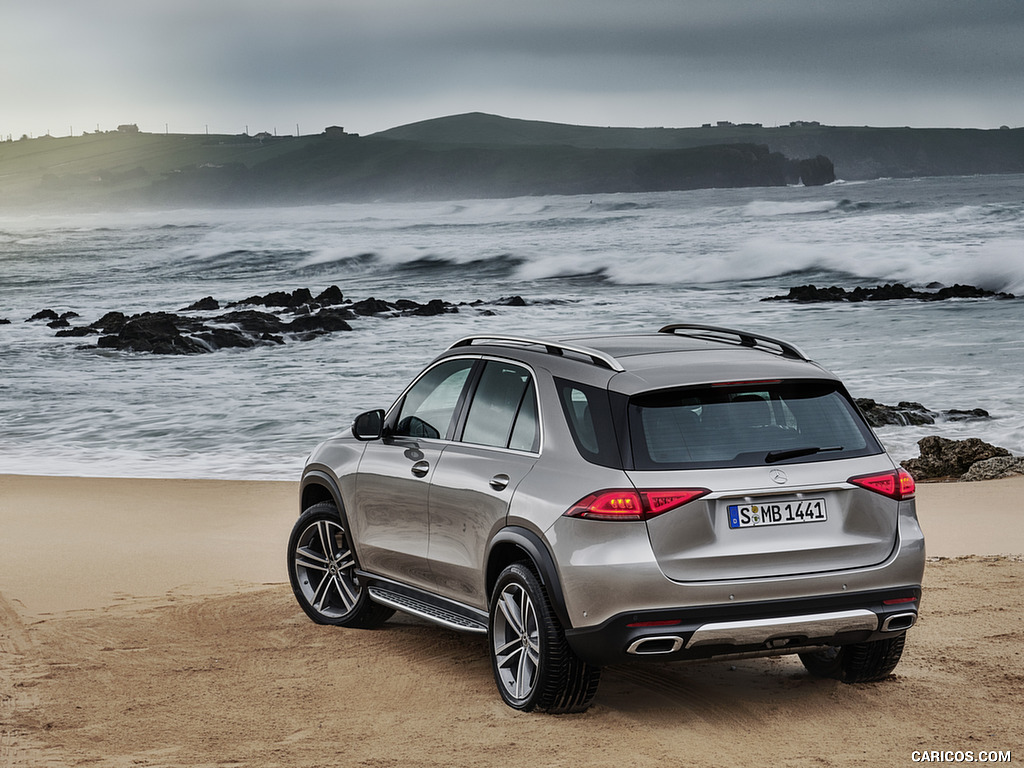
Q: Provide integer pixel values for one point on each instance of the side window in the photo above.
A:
(503, 413)
(526, 432)
(430, 404)
(588, 413)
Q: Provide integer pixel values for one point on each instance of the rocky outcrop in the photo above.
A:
(944, 458)
(994, 469)
(297, 315)
(203, 305)
(816, 171)
(913, 414)
(807, 294)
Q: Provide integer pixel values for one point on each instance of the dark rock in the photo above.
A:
(251, 321)
(324, 321)
(78, 332)
(372, 306)
(156, 332)
(975, 414)
(225, 338)
(432, 308)
(330, 297)
(296, 298)
(816, 171)
(4, 321)
(811, 293)
(45, 314)
(511, 301)
(60, 322)
(203, 305)
(941, 457)
(904, 414)
(913, 414)
(965, 292)
(887, 292)
(112, 322)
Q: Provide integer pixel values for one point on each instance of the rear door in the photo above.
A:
(777, 457)
(498, 444)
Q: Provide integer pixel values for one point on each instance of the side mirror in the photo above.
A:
(369, 425)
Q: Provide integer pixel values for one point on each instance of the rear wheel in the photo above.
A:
(321, 567)
(533, 664)
(856, 663)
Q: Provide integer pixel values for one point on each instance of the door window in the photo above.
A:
(431, 402)
(503, 413)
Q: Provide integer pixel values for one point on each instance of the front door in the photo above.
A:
(391, 514)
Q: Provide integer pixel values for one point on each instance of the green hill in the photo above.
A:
(857, 152)
(133, 169)
(474, 155)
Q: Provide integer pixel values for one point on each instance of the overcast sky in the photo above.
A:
(188, 66)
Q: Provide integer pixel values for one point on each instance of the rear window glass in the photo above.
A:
(746, 425)
(503, 413)
(588, 413)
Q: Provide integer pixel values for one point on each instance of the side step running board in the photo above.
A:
(428, 611)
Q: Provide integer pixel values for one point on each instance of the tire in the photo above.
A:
(321, 567)
(534, 667)
(857, 663)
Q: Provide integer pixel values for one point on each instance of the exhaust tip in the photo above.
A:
(899, 622)
(655, 646)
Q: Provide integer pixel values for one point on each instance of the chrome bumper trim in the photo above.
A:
(761, 631)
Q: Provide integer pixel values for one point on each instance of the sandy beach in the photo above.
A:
(150, 623)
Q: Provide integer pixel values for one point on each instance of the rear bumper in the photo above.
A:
(763, 628)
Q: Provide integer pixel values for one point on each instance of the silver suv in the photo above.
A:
(695, 493)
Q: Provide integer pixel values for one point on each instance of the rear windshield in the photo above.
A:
(743, 425)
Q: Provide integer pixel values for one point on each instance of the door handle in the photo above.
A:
(499, 482)
(420, 468)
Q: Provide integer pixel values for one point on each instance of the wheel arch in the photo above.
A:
(516, 544)
(316, 486)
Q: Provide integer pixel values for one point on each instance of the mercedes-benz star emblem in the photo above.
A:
(778, 476)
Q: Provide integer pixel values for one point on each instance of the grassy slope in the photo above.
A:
(472, 155)
(858, 152)
(132, 169)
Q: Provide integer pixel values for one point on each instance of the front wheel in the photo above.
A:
(533, 664)
(321, 567)
(856, 663)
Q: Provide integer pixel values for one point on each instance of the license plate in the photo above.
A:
(777, 513)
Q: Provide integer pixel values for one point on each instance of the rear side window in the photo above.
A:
(746, 425)
(588, 413)
(503, 413)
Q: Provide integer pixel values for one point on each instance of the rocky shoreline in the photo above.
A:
(964, 460)
(913, 414)
(811, 294)
(295, 316)
(941, 458)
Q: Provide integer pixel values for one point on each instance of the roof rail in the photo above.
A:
(596, 356)
(745, 338)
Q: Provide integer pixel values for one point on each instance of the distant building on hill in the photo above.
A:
(337, 132)
(128, 128)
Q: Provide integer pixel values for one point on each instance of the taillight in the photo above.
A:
(899, 601)
(631, 504)
(897, 484)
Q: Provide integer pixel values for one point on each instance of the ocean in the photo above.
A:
(583, 264)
